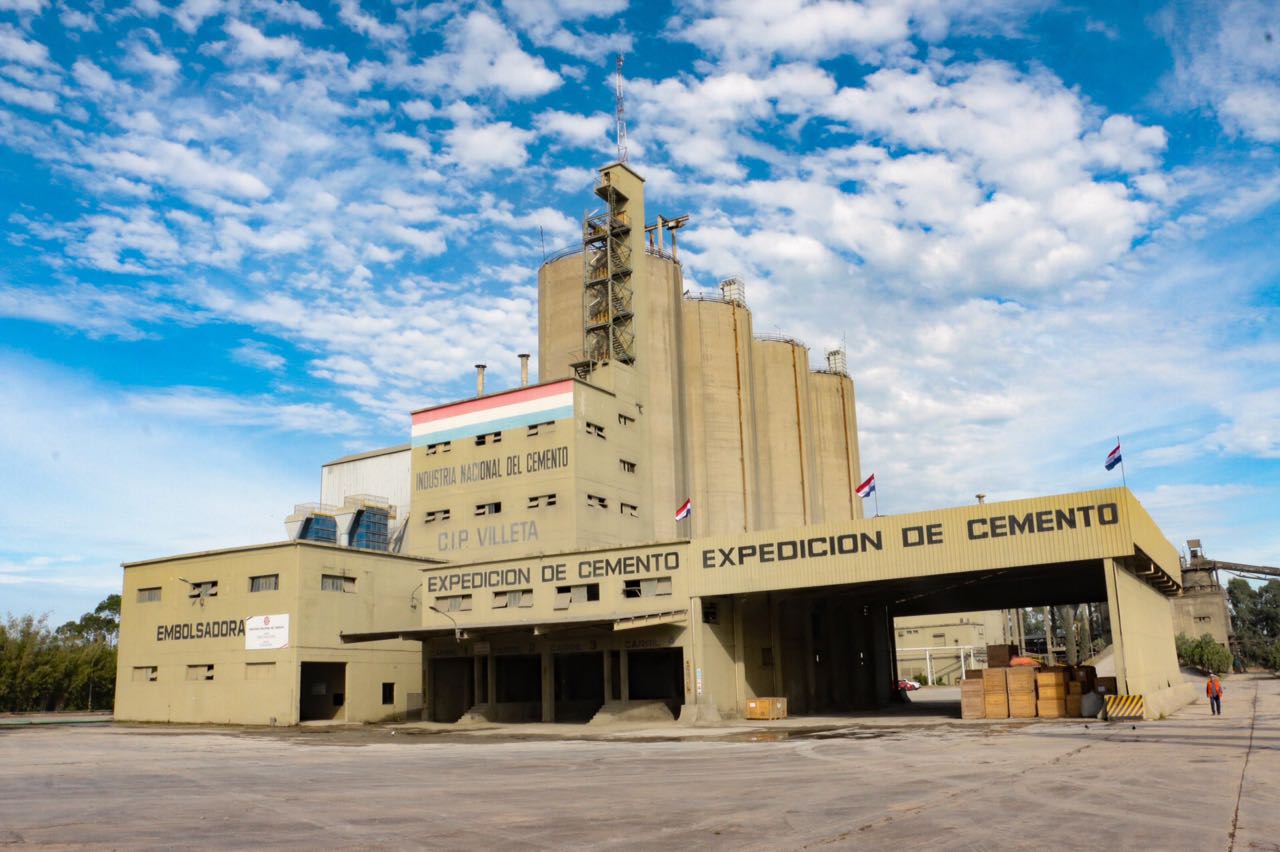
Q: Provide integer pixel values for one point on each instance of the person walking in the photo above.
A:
(1213, 689)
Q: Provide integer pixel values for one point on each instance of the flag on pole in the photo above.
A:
(868, 488)
(685, 510)
(1113, 457)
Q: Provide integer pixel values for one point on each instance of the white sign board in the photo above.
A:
(266, 632)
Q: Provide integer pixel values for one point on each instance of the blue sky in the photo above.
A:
(244, 237)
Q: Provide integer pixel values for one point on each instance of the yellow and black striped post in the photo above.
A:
(1125, 708)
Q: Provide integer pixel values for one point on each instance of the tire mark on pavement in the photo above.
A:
(1235, 816)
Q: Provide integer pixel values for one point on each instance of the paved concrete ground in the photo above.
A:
(1192, 781)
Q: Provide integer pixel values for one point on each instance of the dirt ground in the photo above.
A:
(1191, 781)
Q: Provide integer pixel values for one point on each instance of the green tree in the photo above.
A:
(1256, 615)
(72, 668)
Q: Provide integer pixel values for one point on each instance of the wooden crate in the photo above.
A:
(1052, 708)
(766, 708)
(1022, 705)
(993, 680)
(996, 706)
(1022, 679)
(1073, 706)
(998, 656)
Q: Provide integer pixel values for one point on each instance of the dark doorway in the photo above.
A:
(452, 688)
(518, 690)
(656, 675)
(579, 680)
(324, 692)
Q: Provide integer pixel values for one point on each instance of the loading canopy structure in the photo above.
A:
(1070, 548)
(808, 612)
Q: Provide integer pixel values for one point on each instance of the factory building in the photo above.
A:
(664, 523)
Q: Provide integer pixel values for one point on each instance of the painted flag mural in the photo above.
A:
(685, 510)
(509, 410)
(1113, 457)
(867, 488)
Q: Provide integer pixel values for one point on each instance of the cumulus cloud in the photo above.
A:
(1225, 57)
(251, 43)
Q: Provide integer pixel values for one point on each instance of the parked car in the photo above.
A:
(908, 685)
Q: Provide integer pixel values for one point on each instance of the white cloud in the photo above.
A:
(75, 19)
(1225, 56)
(588, 131)
(351, 13)
(96, 311)
(255, 353)
(15, 48)
(482, 55)
(486, 147)
(157, 64)
(251, 43)
(289, 12)
(821, 29)
(190, 14)
(180, 166)
(30, 98)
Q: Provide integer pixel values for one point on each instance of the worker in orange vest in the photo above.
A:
(1213, 689)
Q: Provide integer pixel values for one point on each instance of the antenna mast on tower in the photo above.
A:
(618, 119)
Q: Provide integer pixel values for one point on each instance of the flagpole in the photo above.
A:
(1123, 480)
(876, 494)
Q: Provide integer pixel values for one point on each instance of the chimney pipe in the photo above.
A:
(982, 498)
(479, 379)
(524, 369)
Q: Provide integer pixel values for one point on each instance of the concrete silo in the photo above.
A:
(720, 413)
(788, 488)
(835, 428)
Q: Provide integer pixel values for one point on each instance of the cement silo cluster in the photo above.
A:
(737, 422)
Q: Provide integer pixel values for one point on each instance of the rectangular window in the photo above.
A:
(567, 595)
(259, 671)
(595, 430)
(204, 589)
(522, 598)
(388, 693)
(624, 420)
(648, 588)
(435, 515)
(540, 501)
(265, 583)
(454, 603)
(336, 583)
(439, 448)
(149, 595)
(547, 428)
(488, 438)
(627, 466)
(145, 674)
(629, 510)
(201, 672)
(597, 502)
(488, 508)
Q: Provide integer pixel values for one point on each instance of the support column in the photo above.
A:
(739, 658)
(491, 680)
(624, 676)
(1109, 568)
(775, 639)
(608, 674)
(428, 694)
(548, 686)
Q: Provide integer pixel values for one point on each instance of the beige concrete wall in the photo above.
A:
(835, 441)
(262, 687)
(788, 486)
(594, 467)
(543, 575)
(968, 538)
(559, 317)
(720, 418)
(1202, 611)
(1142, 635)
